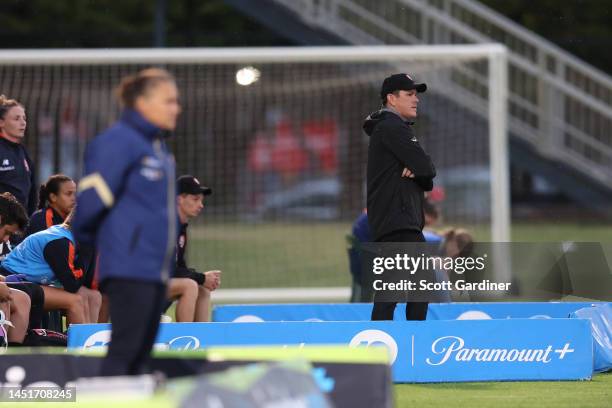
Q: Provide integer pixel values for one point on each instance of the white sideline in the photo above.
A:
(260, 295)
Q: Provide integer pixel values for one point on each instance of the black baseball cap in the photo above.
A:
(399, 82)
(187, 184)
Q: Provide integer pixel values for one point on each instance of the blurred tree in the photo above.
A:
(582, 27)
(126, 23)
(76, 23)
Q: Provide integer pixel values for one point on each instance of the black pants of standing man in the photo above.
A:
(414, 310)
(135, 310)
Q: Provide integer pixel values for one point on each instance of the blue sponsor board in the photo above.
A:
(436, 351)
(352, 312)
(505, 310)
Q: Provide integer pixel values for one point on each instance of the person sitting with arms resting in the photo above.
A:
(191, 288)
(49, 258)
(56, 198)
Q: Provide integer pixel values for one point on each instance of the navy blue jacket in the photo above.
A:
(17, 174)
(126, 201)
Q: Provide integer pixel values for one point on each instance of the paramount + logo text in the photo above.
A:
(453, 348)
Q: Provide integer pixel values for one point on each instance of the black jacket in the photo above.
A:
(395, 202)
(17, 174)
(43, 219)
(182, 270)
(61, 256)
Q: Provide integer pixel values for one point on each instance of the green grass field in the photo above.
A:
(554, 394)
(310, 255)
(314, 254)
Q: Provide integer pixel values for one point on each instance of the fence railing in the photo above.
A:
(558, 103)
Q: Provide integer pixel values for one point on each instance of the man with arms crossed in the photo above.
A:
(399, 173)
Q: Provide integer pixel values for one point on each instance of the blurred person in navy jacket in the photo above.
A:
(126, 205)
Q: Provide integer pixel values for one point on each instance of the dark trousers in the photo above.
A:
(135, 308)
(37, 301)
(414, 310)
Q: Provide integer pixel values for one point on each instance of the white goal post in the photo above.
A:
(305, 88)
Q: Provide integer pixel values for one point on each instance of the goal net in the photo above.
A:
(276, 133)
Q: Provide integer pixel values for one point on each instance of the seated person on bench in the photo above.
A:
(50, 259)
